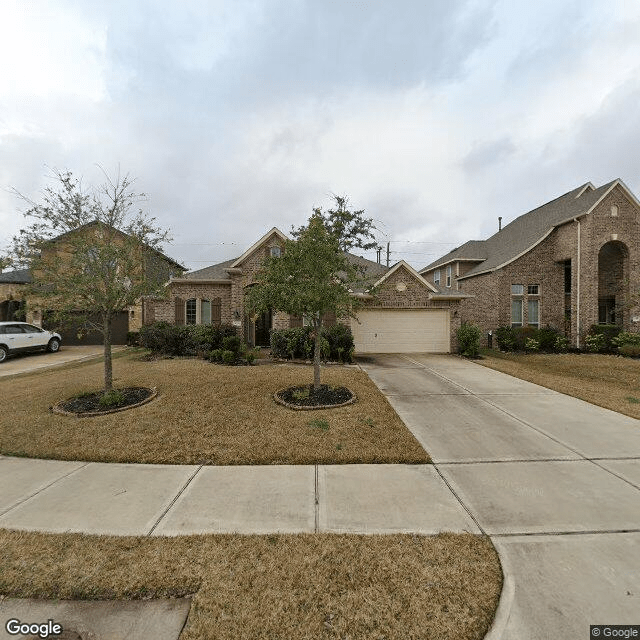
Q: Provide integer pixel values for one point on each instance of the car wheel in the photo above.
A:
(4, 352)
(54, 345)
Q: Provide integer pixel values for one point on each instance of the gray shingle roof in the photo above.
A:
(21, 276)
(526, 230)
(214, 272)
(471, 250)
(217, 271)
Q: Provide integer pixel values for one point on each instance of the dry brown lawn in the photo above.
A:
(609, 381)
(205, 414)
(280, 586)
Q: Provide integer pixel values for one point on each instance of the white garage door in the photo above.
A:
(401, 331)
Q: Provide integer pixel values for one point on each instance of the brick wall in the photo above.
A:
(414, 296)
(544, 265)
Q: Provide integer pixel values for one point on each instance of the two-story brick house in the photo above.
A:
(570, 263)
(16, 302)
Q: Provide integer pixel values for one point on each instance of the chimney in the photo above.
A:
(499, 223)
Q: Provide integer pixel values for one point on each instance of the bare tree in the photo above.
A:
(88, 251)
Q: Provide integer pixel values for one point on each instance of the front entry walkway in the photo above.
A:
(554, 481)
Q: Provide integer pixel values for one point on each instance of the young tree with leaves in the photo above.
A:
(89, 251)
(309, 279)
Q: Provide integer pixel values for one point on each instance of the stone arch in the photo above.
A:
(613, 283)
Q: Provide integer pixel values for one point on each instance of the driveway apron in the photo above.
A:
(553, 480)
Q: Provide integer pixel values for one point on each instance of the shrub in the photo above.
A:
(608, 333)
(133, 338)
(624, 338)
(232, 343)
(111, 399)
(547, 336)
(341, 346)
(215, 355)
(228, 357)
(173, 340)
(469, 340)
(629, 350)
(336, 343)
(505, 338)
(561, 344)
(531, 344)
(595, 343)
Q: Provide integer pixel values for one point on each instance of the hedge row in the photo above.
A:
(173, 340)
(336, 343)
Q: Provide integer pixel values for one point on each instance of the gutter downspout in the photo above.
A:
(578, 289)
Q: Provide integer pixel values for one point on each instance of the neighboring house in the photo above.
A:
(14, 299)
(407, 314)
(570, 263)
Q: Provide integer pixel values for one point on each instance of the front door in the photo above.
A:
(263, 329)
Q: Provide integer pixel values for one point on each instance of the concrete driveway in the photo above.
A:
(27, 362)
(554, 481)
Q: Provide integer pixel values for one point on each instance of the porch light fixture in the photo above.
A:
(236, 314)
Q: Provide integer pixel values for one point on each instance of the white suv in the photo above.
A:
(19, 337)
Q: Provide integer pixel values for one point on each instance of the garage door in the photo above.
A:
(69, 332)
(401, 331)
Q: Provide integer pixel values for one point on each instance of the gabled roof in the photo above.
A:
(254, 246)
(19, 276)
(214, 272)
(411, 270)
(95, 222)
(529, 229)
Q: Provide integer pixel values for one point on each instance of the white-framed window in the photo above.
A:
(275, 252)
(516, 312)
(190, 315)
(533, 289)
(517, 289)
(448, 275)
(533, 312)
(436, 276)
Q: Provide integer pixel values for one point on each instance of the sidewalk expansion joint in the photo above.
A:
(41, 489)
(551, 534)
(316, 501)
(175, 498)
(459, 499)
(504, 461)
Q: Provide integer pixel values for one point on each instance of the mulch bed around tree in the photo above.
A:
(90, 403)
(306, 397)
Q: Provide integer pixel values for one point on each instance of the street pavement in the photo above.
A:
(554, 481)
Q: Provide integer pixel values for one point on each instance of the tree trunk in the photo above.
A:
(108, 365)
(316, 357)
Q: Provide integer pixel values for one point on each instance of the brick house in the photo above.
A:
(15, 300)
(570, 263)
(407, 314)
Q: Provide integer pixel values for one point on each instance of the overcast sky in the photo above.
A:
(236, 116)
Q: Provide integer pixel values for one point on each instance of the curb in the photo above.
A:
(507, 596)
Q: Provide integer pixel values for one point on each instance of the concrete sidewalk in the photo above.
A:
(140, 499)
